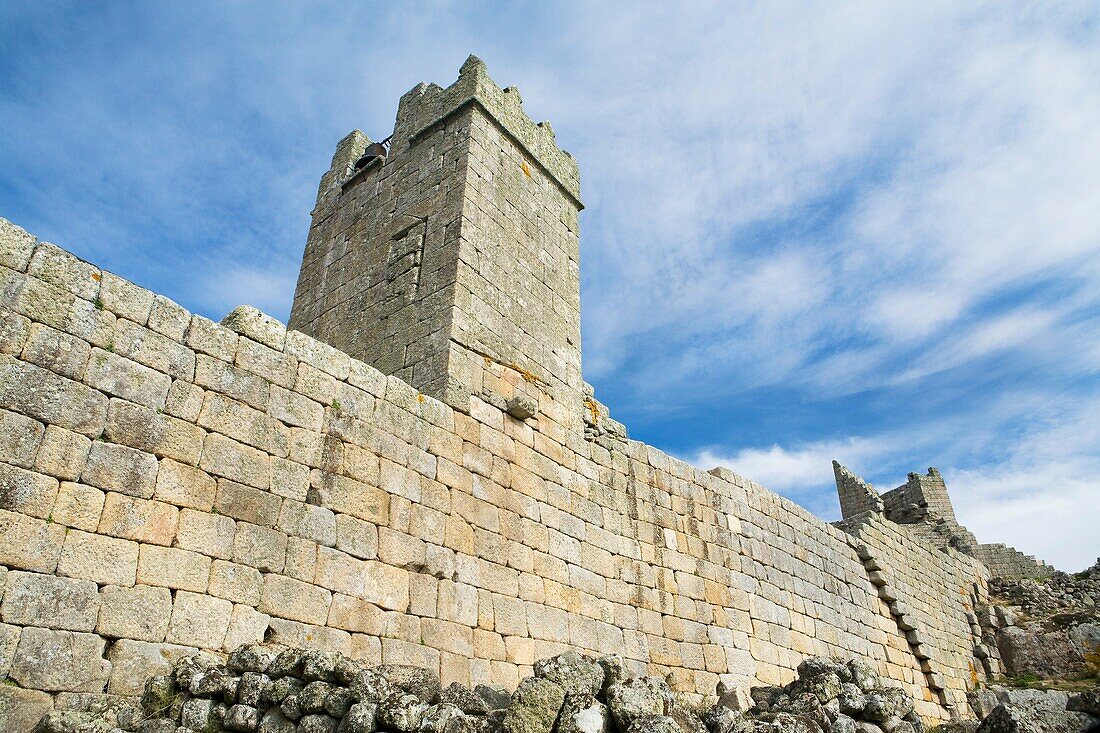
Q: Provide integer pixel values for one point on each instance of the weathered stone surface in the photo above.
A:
(60, 661)
(153, 432)
(118, 468)
(26, 492)
(257, 326)
(106, 560)
(16, 246)
(173, 568)
(20, 710)
(120, 377)
(199, 620)
(637, 698)
(125, 299)
(57, 351)
(62, 453)
(32, 599)
(153, 522)
(141, 612)
(534, 708)
(51, 398)
(20, 437)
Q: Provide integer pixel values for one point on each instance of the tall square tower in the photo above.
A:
(452, 262)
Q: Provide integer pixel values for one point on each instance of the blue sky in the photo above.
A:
(868, 231)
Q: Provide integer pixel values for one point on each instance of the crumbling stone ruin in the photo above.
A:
(414, 472)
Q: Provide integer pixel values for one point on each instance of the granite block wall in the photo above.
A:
(170, 484)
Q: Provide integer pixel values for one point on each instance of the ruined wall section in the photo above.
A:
(171, 484)
(922, 498)
(1011, 564)
(856, 495)
(931, 593)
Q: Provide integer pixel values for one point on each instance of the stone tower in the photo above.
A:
(452, 262)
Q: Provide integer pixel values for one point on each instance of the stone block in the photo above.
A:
(317, 354)
(207, 337)
(259, 547)
(106, 560)
(184, 400)
(9, 639)
(227, 379)
(289, 479)
(273, 366)
(20, 437)
(184, 486)
(355, 614)
(209, 534)
(346, 496)
(33, 599)
(120, 377)
(173, 568)
(51, 398)
(20, 710)
(136, 661)
(114, 467)
(26, 492)
(153, 350)
(16, 246)
(256, 325)
(46, 303)
(78, 506)
(13, 331)
(225, 457)
(247, 504)
(199, 620)
(246, 626)
(168, 318)
(301, 559)
(356, 537)
(237, 583)
(400, 549)
(54, 265)
(139, 519)
(294, 600)
(125, 299)
(62, 453)
(245, 424)
(60, 661)
(153, 432)
(295, 409)
(386, 586)
(140, 612)
(59, 352)
(29, 543)
(308, 522)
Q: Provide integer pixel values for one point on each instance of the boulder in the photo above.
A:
(534, 707)
(637, 698)
(573, 672)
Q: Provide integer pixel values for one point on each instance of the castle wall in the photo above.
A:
(169, 484)
(931, 592)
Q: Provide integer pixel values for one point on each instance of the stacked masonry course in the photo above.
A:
(170, 485)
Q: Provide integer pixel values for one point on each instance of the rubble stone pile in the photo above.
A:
(1047, 629)
(1051, 595)
(830, 696)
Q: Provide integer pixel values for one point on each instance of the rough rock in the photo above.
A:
(534, 708)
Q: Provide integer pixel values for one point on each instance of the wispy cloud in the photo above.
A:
(804, 224)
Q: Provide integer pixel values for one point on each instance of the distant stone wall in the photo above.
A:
(169, 484)
(1011, 564)
(932, 593)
